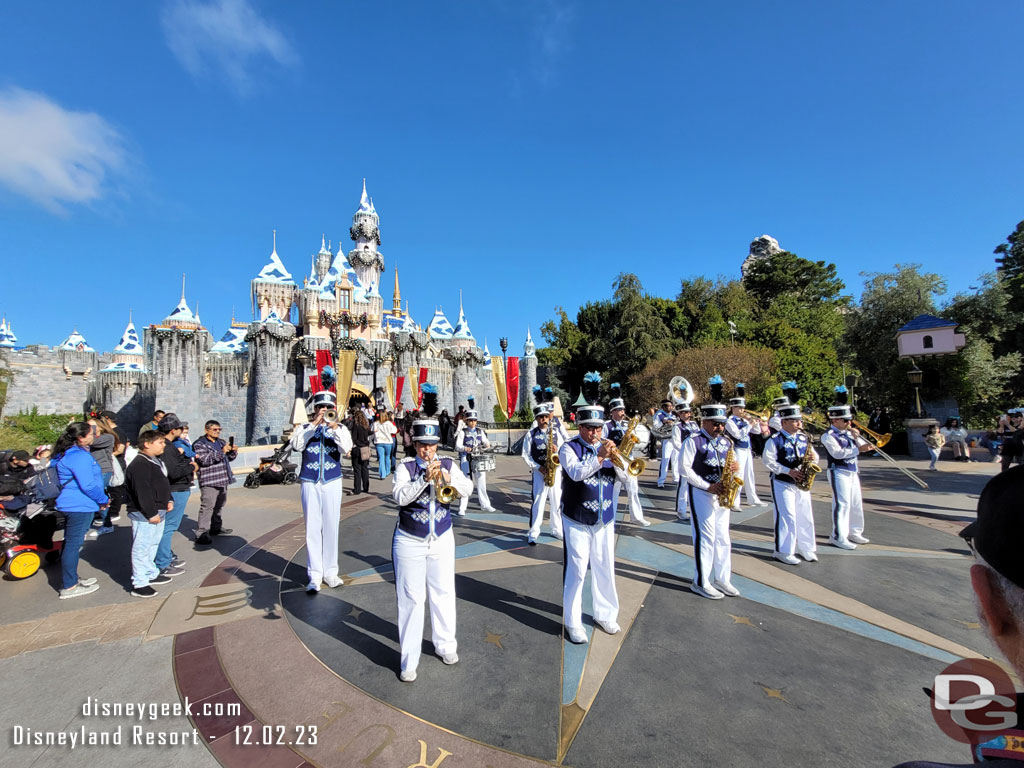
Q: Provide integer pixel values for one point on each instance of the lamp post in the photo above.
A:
(914, 375)
(503, 342)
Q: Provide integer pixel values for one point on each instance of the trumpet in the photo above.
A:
(331, 414)
(445, 494)
(880, 440)
(762, 415)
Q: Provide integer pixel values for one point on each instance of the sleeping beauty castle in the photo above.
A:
(249, 380)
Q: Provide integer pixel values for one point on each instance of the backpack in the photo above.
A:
(45, 486)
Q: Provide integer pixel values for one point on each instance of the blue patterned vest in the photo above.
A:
(744, 428)
(539, 444)
(589, 500)
(471, 438)
(616, 431)
(710, 456)
(688, 429)
(414, 518)
(845, 440)
(321, 458)
(789, 452)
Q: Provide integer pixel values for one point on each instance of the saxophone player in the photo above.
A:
(535, 454)
(843, 445)
(703, 463)
(615, 430)
(784, 454)
(739, 427)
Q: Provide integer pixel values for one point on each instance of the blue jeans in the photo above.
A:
(77, 525)
(172, 520)
(383, 452)
(145, 540)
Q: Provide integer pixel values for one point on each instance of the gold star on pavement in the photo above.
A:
(742, 620)
(969, 624)
(490, 637)
(773, 693)
(355, 613)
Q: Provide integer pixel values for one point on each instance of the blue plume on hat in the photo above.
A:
(716, 379)
(616, 389)
(328, 377)
(429, 399)
(842, 395)
(472, 402)
(716, 383)
(790, 390)
(591, 385)
(549, 395)
(741, 389)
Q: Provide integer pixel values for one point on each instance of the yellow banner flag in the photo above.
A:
(346, 366)
(391, 392)
(413, 380)
(499, 387)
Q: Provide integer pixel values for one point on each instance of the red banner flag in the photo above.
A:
(323, 359)
(399, 386)
(314, 384)
(423, 380)
(512, 384)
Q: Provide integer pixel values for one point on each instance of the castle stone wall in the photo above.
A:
(40, 380)
(275, 383)
(225, 397)
(176, 359)
(132, 396)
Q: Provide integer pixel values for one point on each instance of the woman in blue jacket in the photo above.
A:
(81, 496)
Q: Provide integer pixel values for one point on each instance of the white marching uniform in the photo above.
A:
(680, 433)
(479, 478)
(625, 480)
(668, 448)
(794, 518)
(844, 478)
(739, 430)
(541, 492)
(709, 520)
(425, 565)
(321, 487)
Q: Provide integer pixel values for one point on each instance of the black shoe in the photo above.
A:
(160, 579)
(204, 541)
(222, 532)
(144, 592)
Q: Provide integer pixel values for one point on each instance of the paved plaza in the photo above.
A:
(819, 664)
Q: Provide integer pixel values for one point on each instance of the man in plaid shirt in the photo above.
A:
(213, 456)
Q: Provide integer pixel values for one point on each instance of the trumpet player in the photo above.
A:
(739, 427)
(322, 442)
(615, 430)
(535, 454)
(843, 444)
(684, 429)
(704, 464)
(784, 455)
(472, 439)
(423, 546)
(664, 421)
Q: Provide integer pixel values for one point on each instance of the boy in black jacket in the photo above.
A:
(149, 499)
(179, 474)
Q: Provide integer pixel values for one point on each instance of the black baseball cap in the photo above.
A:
(169, 423)
(999, 530)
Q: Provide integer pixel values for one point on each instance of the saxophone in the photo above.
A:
(810, 469)
(551, 462)
(731, 483)
(621, 457)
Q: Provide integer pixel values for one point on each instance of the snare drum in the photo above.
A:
(483, 463)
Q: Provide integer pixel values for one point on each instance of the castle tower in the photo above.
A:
(486, 397)
(126, 386)
(8, 339)
(464, 357)
(396, 299)
(365, 258)
(528, 372)
(272, 290)
(323, 259)
(273, 393)
(175, 353)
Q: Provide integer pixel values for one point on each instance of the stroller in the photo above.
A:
(27, 532)
(273, 470)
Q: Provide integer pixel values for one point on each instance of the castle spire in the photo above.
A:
(182, 286)
(397, 300)
(275, 241)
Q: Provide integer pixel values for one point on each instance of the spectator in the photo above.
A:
(116, 490)
(183, 442)
(154, 423)
(445, 423)
(1011, 430)
(213, 456)
(360, 453)
(934, 441)
(956, 436)
(41, 457)
(109, 419)
(383, 439)
(394, 440)
(15, 471)
(149, 500)
(179, 469)
(102, 450)
(992, 441)
(80, 498)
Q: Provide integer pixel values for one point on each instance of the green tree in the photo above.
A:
(785, 273)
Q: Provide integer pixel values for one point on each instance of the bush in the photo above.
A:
(27, 430)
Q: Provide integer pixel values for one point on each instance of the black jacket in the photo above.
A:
(12, 478)
(147, 488)
(179, 468)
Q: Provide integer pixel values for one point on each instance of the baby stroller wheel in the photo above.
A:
(252, 480)
(23, 564)
(289, 478)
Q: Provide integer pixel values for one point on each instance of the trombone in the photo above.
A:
(880, 440)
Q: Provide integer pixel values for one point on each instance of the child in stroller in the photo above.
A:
(273, 470)
(28, 523)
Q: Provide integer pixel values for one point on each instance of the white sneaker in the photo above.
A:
(642, 523)
(760, 503)
(490, 509)
(611, 627)
(841, 543)
(856, 538)
(407, 675)
(449, 658)
(810, 557)
(87, 582)
(737, 508)
(333, 581)
(710, 593)
(682, 518)
(462, 513)
(93, 533)
(787, 559)
(77, 591)
(577, 635)
(313, 586)
(558, 535)
(726, 588)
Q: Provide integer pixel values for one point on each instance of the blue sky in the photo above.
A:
(526, 151)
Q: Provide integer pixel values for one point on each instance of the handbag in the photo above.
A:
(364, 453)
(117, 478)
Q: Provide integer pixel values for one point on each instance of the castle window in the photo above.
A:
(344, 333)
(927, 342)
(345, 299)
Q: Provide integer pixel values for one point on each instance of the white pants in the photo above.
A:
(541, 493)
(636, 512)
(424, 569)
(746, 460)
(794, 521)
(669, 457)
(847, 505)
(682, 500)
(321, 507)
(712, 547)
(480, 483)
(593, 545)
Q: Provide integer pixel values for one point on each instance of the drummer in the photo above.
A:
(471, 443)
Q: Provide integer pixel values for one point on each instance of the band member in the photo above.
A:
(686, 428)
(665, 419)
(535, 454)
(842, 444)
(469, 439)
(589, 519)
(615, 430)
(739, 427)
(783, 456)
(423, 547)
(775, 423)
(322, 442)
(703, 463)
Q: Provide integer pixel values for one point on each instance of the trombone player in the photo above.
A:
(843, 444)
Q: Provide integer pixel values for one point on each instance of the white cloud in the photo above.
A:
(226, 36)
(54, 155)
(552, 38)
